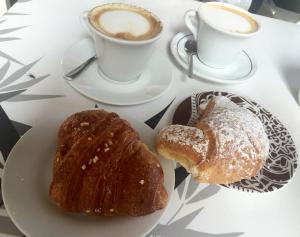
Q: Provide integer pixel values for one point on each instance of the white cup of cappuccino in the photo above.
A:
(221, 31)
(124, 38)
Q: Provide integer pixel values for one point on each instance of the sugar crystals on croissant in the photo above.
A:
(227, 144)
(101, 167)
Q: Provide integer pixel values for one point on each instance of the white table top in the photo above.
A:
(53, 25)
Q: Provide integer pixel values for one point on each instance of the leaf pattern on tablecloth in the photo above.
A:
(17, 74)
(12, 87)
(15, 79)
(24, 85)
(9, 30)
(31, 97)
(191, 189)
(180, 228)
(4, 69)
(3, 39)
(180, 174)
(180, 187)
(189, 192)
(8, 95)
(24, 1)
(16, 14)
(21, 127)
(154, 120)
(10, 58)
(205, 193)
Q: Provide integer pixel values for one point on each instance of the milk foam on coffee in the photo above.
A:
(229, 19)
(125, 22)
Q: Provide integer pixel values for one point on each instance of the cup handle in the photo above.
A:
(191, 21)
(83, 20)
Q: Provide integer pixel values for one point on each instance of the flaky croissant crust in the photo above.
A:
(101, 167)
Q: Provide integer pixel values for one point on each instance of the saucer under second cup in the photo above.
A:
(241, 70)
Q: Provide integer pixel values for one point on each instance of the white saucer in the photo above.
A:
(152, 84)
(25, 187)
(239, 71)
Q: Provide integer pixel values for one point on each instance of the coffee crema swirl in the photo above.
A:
(122, 21)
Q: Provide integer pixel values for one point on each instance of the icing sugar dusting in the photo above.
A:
(237, 139)
(237, 129)
(186, 136)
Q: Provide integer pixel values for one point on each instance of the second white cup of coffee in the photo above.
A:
(221, 31)
(124, 38)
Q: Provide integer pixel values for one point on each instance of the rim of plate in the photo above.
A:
(32, 129)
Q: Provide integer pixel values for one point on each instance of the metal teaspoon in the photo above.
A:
(191, 49)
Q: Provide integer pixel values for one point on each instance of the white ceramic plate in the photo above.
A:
(153, 83)
(26, 179)
(239, 71)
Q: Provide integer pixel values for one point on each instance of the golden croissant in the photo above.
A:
(101, 167)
